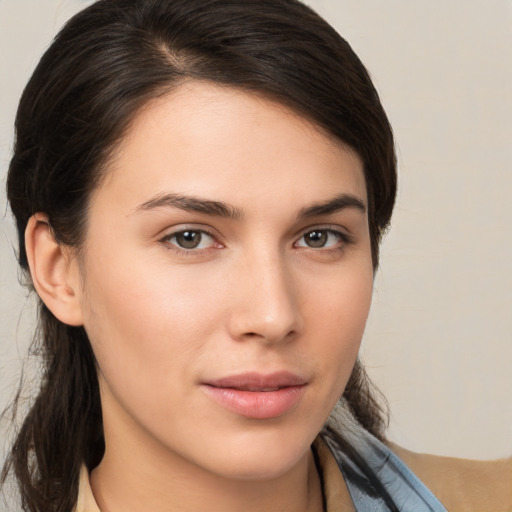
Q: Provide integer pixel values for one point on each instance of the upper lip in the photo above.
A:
(254, 381)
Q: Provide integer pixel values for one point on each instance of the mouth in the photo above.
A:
(257, 396)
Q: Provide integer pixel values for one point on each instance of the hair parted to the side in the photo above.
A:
(106, 63)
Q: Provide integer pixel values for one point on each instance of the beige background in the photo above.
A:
(439, 339)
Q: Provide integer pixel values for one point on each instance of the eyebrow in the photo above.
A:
(220, 209)
(340, 202)
(192, 204)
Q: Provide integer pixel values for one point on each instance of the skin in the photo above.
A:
(253, 296)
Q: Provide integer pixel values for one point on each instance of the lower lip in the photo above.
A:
(256, 404)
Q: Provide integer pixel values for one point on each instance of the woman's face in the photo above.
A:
(227, 277)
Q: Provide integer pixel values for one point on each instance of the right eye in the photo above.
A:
(190, 239)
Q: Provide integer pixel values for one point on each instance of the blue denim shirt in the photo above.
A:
(407, 492)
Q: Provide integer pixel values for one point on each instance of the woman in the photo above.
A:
(200, 189)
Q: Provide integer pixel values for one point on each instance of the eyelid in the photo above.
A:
(185, 226)
(335, 228)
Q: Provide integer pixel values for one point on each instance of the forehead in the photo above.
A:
(214, 140)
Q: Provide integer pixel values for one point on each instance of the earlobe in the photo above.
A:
(54, 271)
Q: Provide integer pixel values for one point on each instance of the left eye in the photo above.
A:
(189, 239)
(320, 238)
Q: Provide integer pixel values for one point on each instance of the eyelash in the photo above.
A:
(344, 239)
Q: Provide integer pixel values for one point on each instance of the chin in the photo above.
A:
(261, 455)
(260, 467)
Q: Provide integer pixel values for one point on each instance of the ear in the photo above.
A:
(54, 271)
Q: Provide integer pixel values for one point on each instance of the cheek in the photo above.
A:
(339, 316)
(143, 325)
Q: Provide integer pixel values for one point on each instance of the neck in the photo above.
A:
(119, 486)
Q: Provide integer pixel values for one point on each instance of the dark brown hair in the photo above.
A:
(106, 63)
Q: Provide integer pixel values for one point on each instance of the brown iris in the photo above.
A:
(188, 239)
(316, 238)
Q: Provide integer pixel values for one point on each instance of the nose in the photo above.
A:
(266, 305)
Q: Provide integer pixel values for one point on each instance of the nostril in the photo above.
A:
(271, 337)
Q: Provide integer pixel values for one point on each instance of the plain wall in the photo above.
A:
(439, 340)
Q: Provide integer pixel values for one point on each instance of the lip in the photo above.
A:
(257, 396)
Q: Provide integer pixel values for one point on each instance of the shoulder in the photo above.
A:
(460, 484)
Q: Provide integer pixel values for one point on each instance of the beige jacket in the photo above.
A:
(461, 485)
